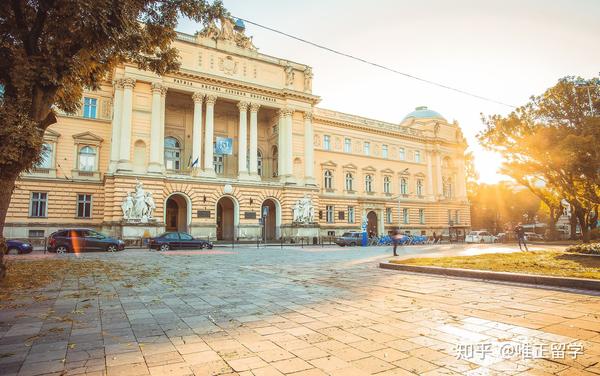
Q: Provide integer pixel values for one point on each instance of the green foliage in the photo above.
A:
(589, 248)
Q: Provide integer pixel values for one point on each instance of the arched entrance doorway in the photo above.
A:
(226, 218)
(372, 223)
(271, 208)
(176, 213)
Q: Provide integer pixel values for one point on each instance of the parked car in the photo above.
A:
(177, 240)
(18, 247)
(480, 237)
(533, 237)
(82, 240)
(351, 238)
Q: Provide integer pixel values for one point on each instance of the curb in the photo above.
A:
(533, 279)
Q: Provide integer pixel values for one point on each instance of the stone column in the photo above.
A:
(429, 189)
(253, 165)
(197, 132)
(155, 165)
(461, 180)
(125, 147)
(438, 162)
(289, 155)
(209, 169)
(309, 151)
(281, 144)
(243, 141)
(161, 145)
(116, 125)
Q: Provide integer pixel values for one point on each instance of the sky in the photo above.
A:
(507, 50)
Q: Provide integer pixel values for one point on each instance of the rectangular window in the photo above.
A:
(388, 215)
(449, 217)
(326, 142)
(456, 217)
(417, 156)
(89, 107)
(218, 164)
(384, 151)
(39, 204)
(405, 215)
(35, 234)
(422, 216)
(350, 214)
(329, 213)
(367, 148)
(347, 145)
(341, 215)
(84, 206)
(402, 154)
(45, 157)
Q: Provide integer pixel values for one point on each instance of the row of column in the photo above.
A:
(120, 158)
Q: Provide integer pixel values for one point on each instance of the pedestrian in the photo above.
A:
(435, 238)
(395, 240)
(520, 232)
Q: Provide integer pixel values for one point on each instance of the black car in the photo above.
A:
(82, 240)
(351, 238)
(177, 240)
(18, 247)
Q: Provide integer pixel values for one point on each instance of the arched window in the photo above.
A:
(369, 183)
(45, 157)
(328, 177)
(419, 187)
(172, 153)
(386, 184)
(349, 182)
(87, 158)
(404, 186)
(259, 162)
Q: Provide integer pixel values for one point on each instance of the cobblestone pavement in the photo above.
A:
(302, 312)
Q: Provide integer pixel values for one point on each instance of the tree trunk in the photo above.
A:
(583, 223)
(7, 185)
(552, 224)
(573, 222)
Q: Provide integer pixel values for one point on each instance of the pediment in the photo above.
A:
(387, 171)
(369, 168)
(329, 163)
(349, 166)
(420, 175)
(51, 135)
(87, 137)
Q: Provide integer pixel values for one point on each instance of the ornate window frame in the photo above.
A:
(80, 141)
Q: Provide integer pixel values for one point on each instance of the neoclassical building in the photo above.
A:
(233, 136)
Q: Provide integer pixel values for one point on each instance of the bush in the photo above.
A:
(590, 248)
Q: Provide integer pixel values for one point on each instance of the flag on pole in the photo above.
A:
(196, 162)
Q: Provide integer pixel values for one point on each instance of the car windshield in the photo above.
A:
(473, 233)
(348, 234)
(94, 234)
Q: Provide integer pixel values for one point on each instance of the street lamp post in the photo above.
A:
(400, 199)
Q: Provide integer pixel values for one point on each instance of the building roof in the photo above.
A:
(422, 112)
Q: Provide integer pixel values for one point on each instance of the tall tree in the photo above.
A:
(52, 49)
(550, 146)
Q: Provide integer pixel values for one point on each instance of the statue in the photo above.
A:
(436, 129)
(150, 205)
(308, 75)
(304, 211)
(227, 32)
(138, 205)
(211, 31)
(289, 75)
(127, 206)
(566, 208)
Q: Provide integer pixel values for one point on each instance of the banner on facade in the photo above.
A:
(224, 145)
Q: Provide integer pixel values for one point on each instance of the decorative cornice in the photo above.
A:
(198, 96)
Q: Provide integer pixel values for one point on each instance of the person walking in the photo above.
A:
(520, 232)
(395, 240)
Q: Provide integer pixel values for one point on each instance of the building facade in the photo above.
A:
(171, 134)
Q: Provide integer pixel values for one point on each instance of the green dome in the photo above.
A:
(422, 112)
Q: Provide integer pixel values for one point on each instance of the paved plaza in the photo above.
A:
(293, 311)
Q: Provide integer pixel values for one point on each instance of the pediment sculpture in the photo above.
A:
(304, 211)
(138, 206)
(228, 32)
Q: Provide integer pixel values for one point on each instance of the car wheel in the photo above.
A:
(111, 248)
(61, 250)
(12, 249)
(163, 247)
(353, 244)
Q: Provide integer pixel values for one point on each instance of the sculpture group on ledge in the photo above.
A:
(304, 211)
(228, 32)
(138, 205)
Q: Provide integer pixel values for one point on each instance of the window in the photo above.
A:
(184, 236)
(326, 142)
(35, 234)
(447, 188)
(402, 154)
(172, 236)
(422, 216)
(84, 206)
(87, 158)
(349, 182)
(341, 215)
(89, 107)
(172, 153)
(405, 215)
(218, 163)
(386, 184)
(347, 145)
(259, 162)
(329, 213)
(417, 156)
(350, 214)
(404, 186)
(45, 157)
(369, 183)
(328, 177)
(367, 148)
(384, 151)
(449, 217)
(419, 187)
(39, 204)
(388, 215)
(456, 217)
